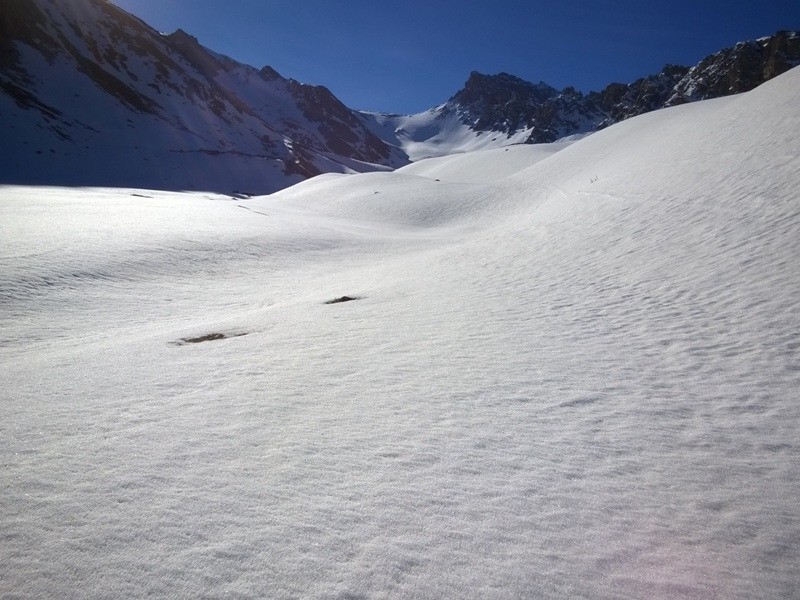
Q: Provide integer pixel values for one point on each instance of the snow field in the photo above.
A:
(482, 166)
(577, 381)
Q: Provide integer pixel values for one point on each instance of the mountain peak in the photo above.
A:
(500, 89)
(498, 102)
(179, 36)
(480, 80)
(269, 74)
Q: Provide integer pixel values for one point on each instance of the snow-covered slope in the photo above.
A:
(436, 132)
(483, 166)
(90, 95)
(577, 381)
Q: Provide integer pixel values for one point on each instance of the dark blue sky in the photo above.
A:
(407, 56)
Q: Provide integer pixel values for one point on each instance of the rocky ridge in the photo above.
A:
(506, 104)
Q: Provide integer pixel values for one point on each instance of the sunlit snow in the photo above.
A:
(565, 372)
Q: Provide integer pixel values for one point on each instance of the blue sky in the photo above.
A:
(407, 56)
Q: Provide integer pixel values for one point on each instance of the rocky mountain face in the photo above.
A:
(91, 95)
(500, 102)
(739, 69)
(618, 101)
(508, 105)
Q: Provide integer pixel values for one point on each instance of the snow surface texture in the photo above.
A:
(577, 381)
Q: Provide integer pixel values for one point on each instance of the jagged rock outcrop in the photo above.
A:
(739, 69)
(506, 105)
(499, 102)
(620, 101)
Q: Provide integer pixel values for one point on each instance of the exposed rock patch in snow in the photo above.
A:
(209, 337)
(341, 299)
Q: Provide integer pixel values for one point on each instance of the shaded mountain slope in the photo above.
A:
(90, 95)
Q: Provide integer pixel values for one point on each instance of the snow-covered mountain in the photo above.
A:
(90, 95)
(567, 372)
(497, 110)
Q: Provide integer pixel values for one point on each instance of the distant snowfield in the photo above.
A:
(429, 134)
(482, 166)
(574, 379)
